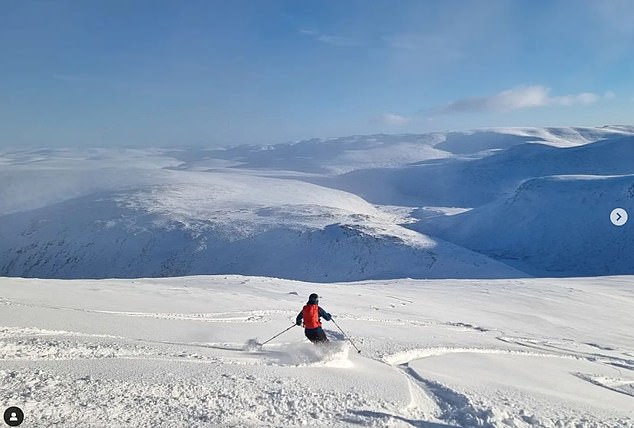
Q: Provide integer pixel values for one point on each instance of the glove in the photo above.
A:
(298, 323)
(328, 318)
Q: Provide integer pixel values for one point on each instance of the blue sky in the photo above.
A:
(163, 73)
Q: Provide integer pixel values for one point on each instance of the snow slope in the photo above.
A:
(557, 225)
(444, 353)
(204, 222)
(37, 178)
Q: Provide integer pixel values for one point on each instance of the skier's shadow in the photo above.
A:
(333, 334)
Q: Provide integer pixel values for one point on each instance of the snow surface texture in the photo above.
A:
(497, 203)
(445, 353)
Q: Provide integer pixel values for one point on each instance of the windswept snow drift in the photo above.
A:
(443, 353)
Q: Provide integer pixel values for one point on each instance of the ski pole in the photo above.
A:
(278, 334)
(346, 336)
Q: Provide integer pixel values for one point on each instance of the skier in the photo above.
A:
(312, 324)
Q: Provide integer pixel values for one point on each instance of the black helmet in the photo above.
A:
(313, 299)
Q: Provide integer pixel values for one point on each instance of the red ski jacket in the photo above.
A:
(311, 313)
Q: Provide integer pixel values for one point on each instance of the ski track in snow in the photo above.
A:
(623, 386)
(456, 408)
(237, 316)
(60, 374)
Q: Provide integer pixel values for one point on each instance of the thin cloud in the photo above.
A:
(332, 39)
(392, 119)
(437, 46)
(516, 99)
(72, 78)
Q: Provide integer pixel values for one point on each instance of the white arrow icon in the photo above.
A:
(618, 216)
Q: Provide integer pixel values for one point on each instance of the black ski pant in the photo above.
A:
(315, 335)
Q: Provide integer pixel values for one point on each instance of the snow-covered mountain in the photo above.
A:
(227, 223)
(345, 154)
(550, 226)
(483, 347)
(444, 205)
(471, 182)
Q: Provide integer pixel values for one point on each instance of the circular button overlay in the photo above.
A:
(13, 416)
(618, 216)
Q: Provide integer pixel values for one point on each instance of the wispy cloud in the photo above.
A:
(332, 39)
(72, 77)
(392, 119)
(519, 98)
(437, 46)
